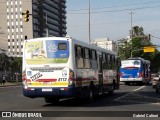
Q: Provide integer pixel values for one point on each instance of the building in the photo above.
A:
(105, 43)
(46, 18)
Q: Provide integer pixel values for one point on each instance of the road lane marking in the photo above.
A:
(139, 88)
(123, 96)
(118, 99)
(137, 96)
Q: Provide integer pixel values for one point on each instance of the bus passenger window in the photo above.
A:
(79, 52)
(87, 62)
(94, 55)
(87, 53)
(111, 58)
(94, 59)
(104, 63)
(112, 62)
(108, 56)
(104, 57)
(79, 57)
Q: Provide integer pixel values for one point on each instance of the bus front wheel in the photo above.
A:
(91, 93)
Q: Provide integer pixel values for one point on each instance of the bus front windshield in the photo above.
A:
(46, 52)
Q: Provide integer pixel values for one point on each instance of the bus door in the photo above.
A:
(100, 71)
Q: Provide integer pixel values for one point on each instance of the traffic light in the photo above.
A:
(26, 15)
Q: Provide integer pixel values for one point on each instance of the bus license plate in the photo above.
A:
(46, 89)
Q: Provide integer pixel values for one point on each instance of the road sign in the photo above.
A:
(149, 49)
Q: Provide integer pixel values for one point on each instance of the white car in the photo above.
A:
(155, 79)
(158, 86)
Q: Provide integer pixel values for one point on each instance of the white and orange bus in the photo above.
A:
(61, 67)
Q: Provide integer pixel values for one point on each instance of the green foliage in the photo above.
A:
(16, 65)
(10, 63)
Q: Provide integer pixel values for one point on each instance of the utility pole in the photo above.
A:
(89, 21)
(131, 32)
(131, 24)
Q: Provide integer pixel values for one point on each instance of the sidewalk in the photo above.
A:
(10, 84)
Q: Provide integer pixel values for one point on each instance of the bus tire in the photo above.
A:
(157, 91)
(91, 92)
(126, 83)
(52, 100)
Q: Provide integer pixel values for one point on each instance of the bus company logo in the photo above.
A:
(64, 73)
(29, 73)
(52, 48)
(21, 114)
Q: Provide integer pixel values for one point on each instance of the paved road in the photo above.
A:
(128, 98)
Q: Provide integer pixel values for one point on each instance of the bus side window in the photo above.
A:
(143, 68)
(94, 59)
(113, 65)
(118, 62)
(79, 57)
(87, 62)
(108, 60)
(105, 63)
(108, 57)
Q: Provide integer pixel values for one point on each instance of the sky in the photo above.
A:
(112, 18)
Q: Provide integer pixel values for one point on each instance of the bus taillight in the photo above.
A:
(120, 74)
(140, 74)
(71, 75)
(23, 77)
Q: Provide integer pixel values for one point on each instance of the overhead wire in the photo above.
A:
(127, 9)
(155, 37)
(125, 5)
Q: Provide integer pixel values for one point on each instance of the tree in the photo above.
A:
(124, 46)
(155, 64)
(4, 62)
(138, 31)
(138, 43)
(16, 65)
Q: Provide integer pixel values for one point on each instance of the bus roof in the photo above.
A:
(77, 42)
(139, 58)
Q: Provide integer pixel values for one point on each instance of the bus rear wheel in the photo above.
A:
(111, 91)
(91, 93)
(157, 91)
